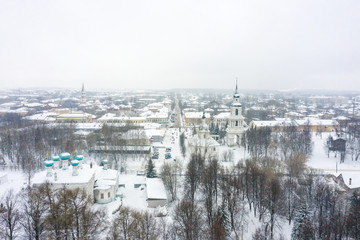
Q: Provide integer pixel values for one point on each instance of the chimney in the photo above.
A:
(48, 165)
(75, 164)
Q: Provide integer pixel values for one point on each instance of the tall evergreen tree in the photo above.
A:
(150, 173)
(303, 227)
(353, 219)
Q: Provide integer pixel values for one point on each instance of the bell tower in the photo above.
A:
(236, 124)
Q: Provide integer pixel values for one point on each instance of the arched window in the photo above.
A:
(236, 112)
(236, 123)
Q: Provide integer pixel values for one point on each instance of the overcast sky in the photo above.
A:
(180, 44)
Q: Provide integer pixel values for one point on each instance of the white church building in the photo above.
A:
(202, 142)
(236, 124)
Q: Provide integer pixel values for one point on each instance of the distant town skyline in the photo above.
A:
(267, 45)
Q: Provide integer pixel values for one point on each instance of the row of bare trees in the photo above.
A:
(281, 144)
(44, 213)
(216, 202)
(27, 147)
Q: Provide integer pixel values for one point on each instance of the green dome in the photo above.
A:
(65, 156)
(55, 157)
(48, 163)
(74, 163)
(79, 157)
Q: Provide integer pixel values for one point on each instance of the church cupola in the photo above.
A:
(204, 126)
(236, 97)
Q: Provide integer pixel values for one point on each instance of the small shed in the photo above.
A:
(156, 194)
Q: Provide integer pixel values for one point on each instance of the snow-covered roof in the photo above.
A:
(135, 134)
(342, 118)
(158, 116)
(74, 115)
(222, 115)
(129, 179)
(45, 116)
(155, 189)
(108, 174)
(122, 148)
(198, 141)
(65, 176)
(30, 105)
(155, 132)
(110, 116)
(196, 115)
(317, 122)
(17, 111)
(274, 123)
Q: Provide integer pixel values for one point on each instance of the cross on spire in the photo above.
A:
(236, 89)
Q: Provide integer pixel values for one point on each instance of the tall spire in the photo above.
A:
(236, 89)
(83, 95)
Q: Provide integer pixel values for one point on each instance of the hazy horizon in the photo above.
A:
(267, 45)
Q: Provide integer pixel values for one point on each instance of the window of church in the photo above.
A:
(236, 112)
(108, 194)
(236, 123)
(102, 196)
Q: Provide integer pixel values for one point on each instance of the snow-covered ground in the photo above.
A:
(135, 197)
(15, 181)
(320, 161)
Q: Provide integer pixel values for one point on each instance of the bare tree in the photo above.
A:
(193, 175)
(169, 172)
(182, 144)
(209, 189)
(35, 210)
(123, 221)
(188, 221)
(10, 217)
(143, 226)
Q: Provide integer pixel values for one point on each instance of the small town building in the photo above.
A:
(79, 117)
(195, 118)
(106, 184)
(318, 125)
(155, 192)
